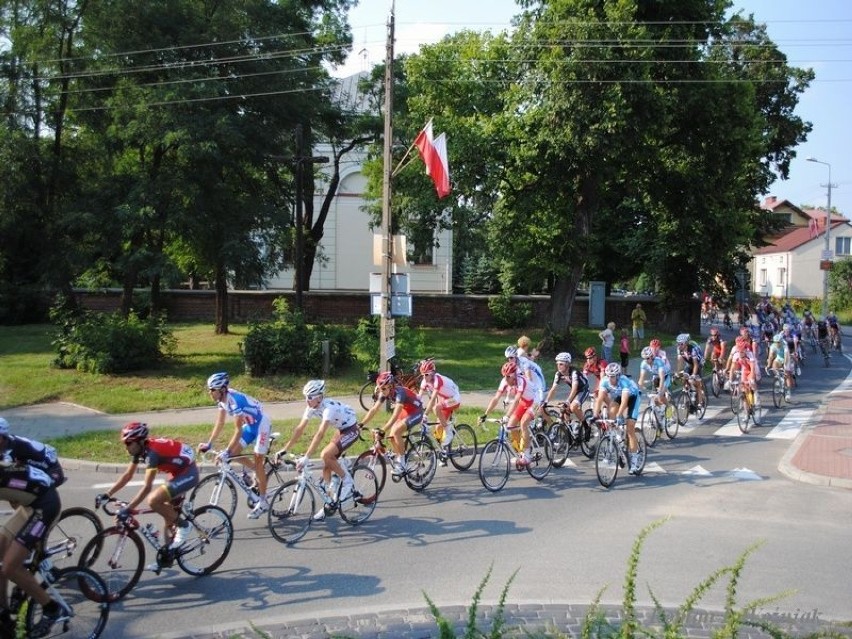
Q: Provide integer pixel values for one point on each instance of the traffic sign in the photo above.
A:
(825, 265)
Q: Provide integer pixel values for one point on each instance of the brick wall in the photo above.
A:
(432, 310)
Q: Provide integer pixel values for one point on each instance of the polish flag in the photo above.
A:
(814, 227)
(434, 153)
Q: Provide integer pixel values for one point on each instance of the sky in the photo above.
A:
(813, 34)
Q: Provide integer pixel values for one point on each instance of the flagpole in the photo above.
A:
(386, 334)
(400, 166)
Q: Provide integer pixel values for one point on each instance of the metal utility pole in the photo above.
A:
(827, 253)
(386, 336)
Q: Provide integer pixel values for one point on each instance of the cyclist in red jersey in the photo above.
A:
(594, 367)
(170, 456)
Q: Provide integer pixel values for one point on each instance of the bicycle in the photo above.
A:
(74, 528)
(686, 399)
(497, 454)
(612, 451)
(744, 406)
(292, 507)
(80, 592)
(717, 377)
(658, 418)
(118, 553)
(834, 339)
(778, 386)
(462, 450)
(823, 348)
(809, 337)
(569, 434)
(220, 487)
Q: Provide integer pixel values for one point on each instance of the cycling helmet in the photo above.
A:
(786, 327)
(511, 351)
(4, 427)
(647, 352)
(613, 369)
(218, 381)
(683, 338)
(509, 369)
(741, 342)
(590, 352)
(427, 366)
(655, 343)
(134, 432)
(313, 388)
(565, 358)
(777, 338)
(385, 378)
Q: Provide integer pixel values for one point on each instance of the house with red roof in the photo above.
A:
(790, 264)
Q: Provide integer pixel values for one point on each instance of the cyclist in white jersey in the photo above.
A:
(337, 415)
(443, 397)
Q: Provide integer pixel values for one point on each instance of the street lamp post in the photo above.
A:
(827, 253)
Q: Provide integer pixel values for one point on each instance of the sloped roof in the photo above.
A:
(798, 237)
(819, 214)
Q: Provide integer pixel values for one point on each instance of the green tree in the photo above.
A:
(840, 284)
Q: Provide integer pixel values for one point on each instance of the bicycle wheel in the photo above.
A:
(606, 460)
(208, 542)
(494, 465)
(682, 407)
(778, 391)
(367, 395)
(71, 532)
(716, 383)
(649, 426)
(744, 415)
(217, 489)
(670, 424)
(360, 505)
(642, 452)
(291, 511)
(375, 462)
(701, 409)
(421, 463)
(277, 476)
(85, 594)
(541, 456)
(590, 435)
(463, 447)
(118, 556)
(560, 440)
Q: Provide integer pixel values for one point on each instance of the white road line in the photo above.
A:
(130, 483)
(731, 429)
(791, 424)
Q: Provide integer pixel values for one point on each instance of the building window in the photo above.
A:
(782, 276)
(763, 278)
(843, 245)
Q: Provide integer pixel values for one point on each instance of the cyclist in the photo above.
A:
(744, 361)
(160, 454)
(624, 397)
(594, 367)
(794, 348)
(833, 330)
(524, 355)
(657, 347)
(822, 335)
(346, 429)
(660, 372)
(780, 358)
(578, 385)
(690, 360)
(407, 412)
(29, 477)
(714, 349)
(251, 424)
(444, 400)
(519, 411)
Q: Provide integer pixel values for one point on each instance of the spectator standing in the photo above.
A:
(624, 348)
(638, 318)
(607, 336)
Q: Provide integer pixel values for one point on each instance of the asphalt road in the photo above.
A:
(564, 539)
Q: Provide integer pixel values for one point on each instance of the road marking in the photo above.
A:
(731, 429)
(653, 467)
(130, 483)
(746, 473)
(698, 470)
(791, 424)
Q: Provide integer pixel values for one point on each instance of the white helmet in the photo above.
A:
(511, 351)
(565, 358)
(218, 381)
(647, 352)
(4, 427)
(313, 388)
(683, 338)
(613, 369)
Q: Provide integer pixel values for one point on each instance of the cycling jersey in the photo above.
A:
(691, 354)
(595, 369)
(447, 389)
(338, 414)
(822, 330)
(621, 384)
(535, 376)
(167, 455)
(256, 424)
(412, 407)
(654, 368)
(34, 453)
(715, 344)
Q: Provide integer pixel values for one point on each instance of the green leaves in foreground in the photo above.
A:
(626, 625)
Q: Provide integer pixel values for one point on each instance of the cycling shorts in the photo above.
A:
(632, 406)
(179, 484)
(523, 406)
(29, 525)
(345, 437)
(258, 431)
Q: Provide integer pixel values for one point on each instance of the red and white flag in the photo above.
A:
(434, 153)
(814, 227)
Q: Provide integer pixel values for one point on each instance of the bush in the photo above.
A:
(408, 344)
(108, 343)
(509, 314)
(287, 344)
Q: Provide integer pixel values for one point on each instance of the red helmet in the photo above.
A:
(741, 342)
(385, 378)
(427, 366)
(134, 432)
(655, 343)
(590, 352)
(509, 369)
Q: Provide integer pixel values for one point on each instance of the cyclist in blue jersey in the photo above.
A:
(660, 372)
(624, 397)
(251, 424)
(690, 360)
